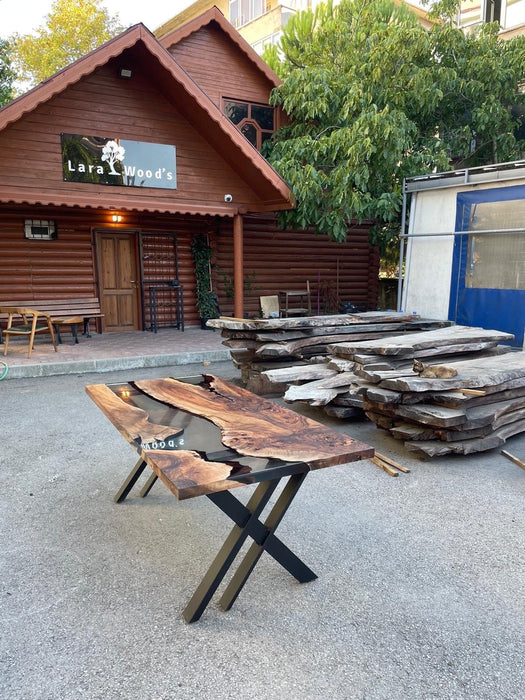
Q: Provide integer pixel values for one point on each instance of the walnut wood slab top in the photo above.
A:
(250, 425)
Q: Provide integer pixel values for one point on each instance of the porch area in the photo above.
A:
(113, 351)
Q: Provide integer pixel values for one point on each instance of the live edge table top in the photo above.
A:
(214, 436)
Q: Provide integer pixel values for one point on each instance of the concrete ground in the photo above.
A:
(421, 588)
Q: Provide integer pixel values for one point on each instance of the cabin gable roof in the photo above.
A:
(269, 191)
(214, 17)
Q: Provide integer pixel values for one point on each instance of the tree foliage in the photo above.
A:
(72, 29)
(6, 73)
(373, 98)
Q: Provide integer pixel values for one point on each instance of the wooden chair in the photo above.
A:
(30, 325)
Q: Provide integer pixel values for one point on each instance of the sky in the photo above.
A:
(24, 16)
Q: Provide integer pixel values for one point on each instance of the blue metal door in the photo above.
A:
(488, 269)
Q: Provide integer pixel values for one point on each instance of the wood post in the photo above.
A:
(238, 266)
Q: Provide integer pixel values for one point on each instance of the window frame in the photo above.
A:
(249, 120)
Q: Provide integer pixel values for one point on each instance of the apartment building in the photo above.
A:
(260, 22)
(509, 13)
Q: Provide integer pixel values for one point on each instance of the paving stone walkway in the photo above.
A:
(113, 351)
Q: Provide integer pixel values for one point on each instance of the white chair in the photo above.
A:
(269, 306)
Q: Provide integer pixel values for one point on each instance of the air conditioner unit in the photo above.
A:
(39, 229)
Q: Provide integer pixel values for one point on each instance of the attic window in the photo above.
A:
(38, 229)
(255, 121)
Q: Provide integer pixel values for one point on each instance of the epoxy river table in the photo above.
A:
(204, 436)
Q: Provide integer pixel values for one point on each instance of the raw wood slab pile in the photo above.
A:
(476, 410)
(468, 395)
(262, 345)
(340, 385)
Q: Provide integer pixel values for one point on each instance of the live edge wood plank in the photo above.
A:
(257, 427)
(187, 474)
(131, 422)
(407, 345)
(250, 425)
(184, 472)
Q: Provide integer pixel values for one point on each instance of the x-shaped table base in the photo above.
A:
(247, 524)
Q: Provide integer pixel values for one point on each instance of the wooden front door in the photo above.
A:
(118, 281)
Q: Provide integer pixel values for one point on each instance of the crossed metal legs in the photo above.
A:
(247, 524)
(130, 481)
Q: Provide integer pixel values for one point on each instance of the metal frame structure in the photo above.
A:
(247, 524)
(487, 174)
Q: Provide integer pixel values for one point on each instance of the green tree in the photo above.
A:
(6, 74)
(373, 97)
(72, 29)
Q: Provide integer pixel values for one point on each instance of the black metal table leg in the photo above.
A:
(130, 481)
(248, 525)
(228, 552)
(74, 334)
(255, 551)
(148, 485)
(57, 333)
(261, 534)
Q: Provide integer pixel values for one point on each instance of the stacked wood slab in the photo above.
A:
(260, 347)
(476, 410)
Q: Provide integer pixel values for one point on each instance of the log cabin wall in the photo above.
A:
(274, 259)
(277, 260)
(35, 269)
(65, 268)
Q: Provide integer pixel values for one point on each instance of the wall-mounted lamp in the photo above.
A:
(116, 218)
(125, 73)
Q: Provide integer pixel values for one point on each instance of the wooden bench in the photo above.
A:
(65, 312)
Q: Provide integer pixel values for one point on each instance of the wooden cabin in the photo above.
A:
(111, 166)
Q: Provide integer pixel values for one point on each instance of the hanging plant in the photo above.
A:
(206, 299)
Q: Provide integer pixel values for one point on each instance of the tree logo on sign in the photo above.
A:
(112, 153)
